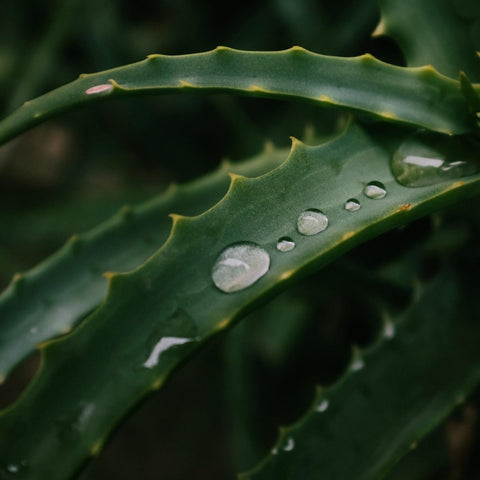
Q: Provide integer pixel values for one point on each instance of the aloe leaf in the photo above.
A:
(383, 405)
(128, 348)
(431, 32)
(49, 299)
(421, 96)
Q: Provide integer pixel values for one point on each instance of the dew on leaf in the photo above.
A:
(357, 363)
(240, 266)
(160, 347)
(427, 158)
(285, 244)
(322, 406)
(375, 190)
(352, 205)
(311, 222)
(389, 329)
(105, 87)
(290, 445)
(12, 468)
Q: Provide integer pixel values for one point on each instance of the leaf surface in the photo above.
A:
(432, 32)
(128, 348)
(49, 299)
(420, 96)
(404, 386)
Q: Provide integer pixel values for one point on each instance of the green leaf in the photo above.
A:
(92, 377)
(421, 96)
(49, 299)
(390, 398)
(431, 32)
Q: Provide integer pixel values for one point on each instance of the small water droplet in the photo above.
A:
(322, 406)
(34, 330)
(427, 158)
(13, 468)
(274, 451)
(311, 222)
(106, 87)
(358, 365)
(375, 190)
(352, 205)
(240, 266)
(389, 329)
(162, 346)
(290, 445)
(413, 446)
(285, 244)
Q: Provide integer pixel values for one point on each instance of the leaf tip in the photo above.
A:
(223, 324)
(96, 448)
(380, 29)
(326, 99)
(185, 84)
(388, 115)
(109, 275)
(347, 236)
(157, 384)
(286, 275)
(296, 49)
(177, 219)
(257, 88)
(235, 177)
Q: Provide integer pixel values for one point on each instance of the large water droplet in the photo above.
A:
(375, 190)
(311, 222)
(352, 205)
(427, 158)
(285, 244)
(240, 266)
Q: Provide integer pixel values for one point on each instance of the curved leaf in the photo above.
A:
(49, 299)
(421, 96)
(92, 377)
(431, 32)
(392, 397)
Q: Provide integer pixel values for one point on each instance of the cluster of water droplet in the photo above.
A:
(424, 158)
(242, 264)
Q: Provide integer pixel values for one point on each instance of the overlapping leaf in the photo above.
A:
(92, 377)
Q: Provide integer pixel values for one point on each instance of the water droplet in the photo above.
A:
(285, 244)
(357, 361)
(311, 222)
(413, 446)
(162, 346)
(322, 406)
(274, 451)
(290, 445)
(12, 468)
(427, 158)
(375, 190)
(34, 330)
(106, 87)
(240, 266)
(389, 329)
(352, 205)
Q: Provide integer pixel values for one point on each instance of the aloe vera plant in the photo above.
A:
(116, 310)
